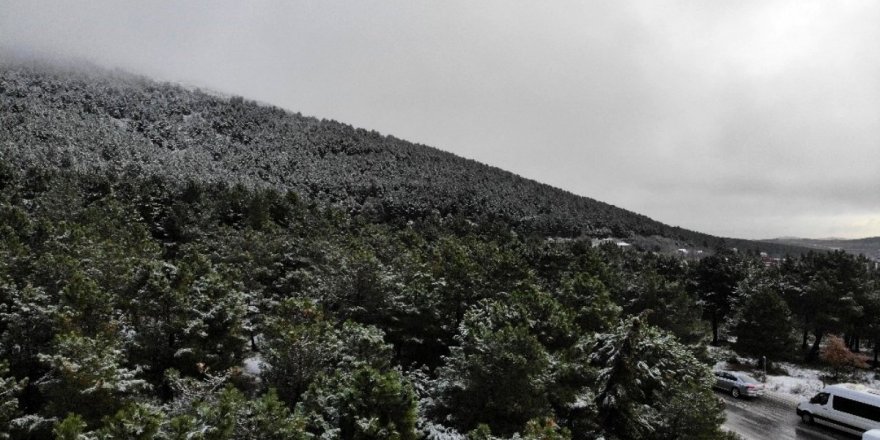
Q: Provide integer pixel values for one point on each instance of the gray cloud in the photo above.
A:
(749, 119)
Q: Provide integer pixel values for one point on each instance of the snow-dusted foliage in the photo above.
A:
(156, 242)
(500, 373)
(363, 403)
(29, 316)
(305, 345)
(650, 386)
(64, 119)
(213, 408)
(85, 374)
(762, 320)
(10, 388)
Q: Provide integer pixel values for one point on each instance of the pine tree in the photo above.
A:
(30, 318)
(304, 344)
(496, 376)
(86, 376)
(10, 387)
(591, 302)
(649, 386)
(763, 321)
(135, 421)
(360, 405)
(715, 278)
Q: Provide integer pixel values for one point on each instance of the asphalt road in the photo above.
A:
(772, 417)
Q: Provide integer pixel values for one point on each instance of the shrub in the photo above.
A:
(840, 360)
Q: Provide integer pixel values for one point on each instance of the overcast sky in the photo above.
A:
(750, 119)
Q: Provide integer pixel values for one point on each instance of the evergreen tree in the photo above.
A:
(715, 280)
(305, 344)
(268, 418)
(672, 307)
(86, 376)
(359, 405)
(591, 302)
(72, 427)
(644, 379)
(10, 387)
(135, 421)
(498, 377)
(213, 409)
(763, 322)
(834, 281)
(30, 321)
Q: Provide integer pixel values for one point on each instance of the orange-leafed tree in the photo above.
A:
(840, 359)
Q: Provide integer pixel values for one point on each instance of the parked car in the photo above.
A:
(738, 384)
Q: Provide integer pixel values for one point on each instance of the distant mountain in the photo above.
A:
(94, 120)
(869, 247)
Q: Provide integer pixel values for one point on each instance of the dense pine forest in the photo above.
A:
(91, 119)
(181, 266)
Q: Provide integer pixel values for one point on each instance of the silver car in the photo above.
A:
(738, 384)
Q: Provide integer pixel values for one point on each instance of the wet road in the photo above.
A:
(772, 419)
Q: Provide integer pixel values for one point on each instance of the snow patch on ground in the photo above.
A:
(800, 382)
(806, 382)
(253, 365)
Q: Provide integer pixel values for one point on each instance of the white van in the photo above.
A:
(848, 407)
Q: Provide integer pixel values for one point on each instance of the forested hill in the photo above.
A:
(96, 120)
(869, 247)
